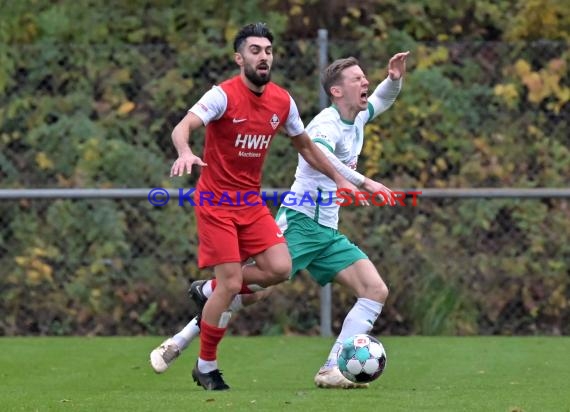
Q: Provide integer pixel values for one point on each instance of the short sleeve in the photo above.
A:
(324, 133)
(293, 125)
(211, 105)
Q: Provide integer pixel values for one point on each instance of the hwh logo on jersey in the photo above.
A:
(253, 141)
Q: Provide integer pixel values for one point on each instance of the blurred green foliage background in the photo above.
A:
(90, 91)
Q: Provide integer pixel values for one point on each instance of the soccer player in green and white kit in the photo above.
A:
(310, 228)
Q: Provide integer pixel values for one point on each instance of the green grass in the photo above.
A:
(275, 374)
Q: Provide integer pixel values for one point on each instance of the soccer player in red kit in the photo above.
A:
(242, 116)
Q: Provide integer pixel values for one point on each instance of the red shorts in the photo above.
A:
(228, 235)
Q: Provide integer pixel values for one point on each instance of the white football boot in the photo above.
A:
(163, 356)
(333, 378)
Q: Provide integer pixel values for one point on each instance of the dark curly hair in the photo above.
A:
(252, 30)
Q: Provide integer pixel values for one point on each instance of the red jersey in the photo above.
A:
(238, 137)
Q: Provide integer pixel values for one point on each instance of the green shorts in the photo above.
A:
(321, 250)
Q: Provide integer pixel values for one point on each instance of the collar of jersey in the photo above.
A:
(341, 119)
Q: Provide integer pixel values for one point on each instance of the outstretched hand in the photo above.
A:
(184, 164)
(379, 190)
(350, 190)
(397, 65)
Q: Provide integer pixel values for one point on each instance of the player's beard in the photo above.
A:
(255, 78)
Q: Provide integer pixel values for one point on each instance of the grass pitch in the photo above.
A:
(275, 374)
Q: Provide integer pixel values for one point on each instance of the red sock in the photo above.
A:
(245, 290)
(210, 337)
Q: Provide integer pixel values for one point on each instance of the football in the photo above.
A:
(361, 358)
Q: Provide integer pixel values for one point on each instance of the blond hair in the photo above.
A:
(332, 75)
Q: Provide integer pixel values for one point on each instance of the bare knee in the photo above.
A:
(382, 293)
(377, 292)
(229, 286)
(281, 270)
(278, 268)
(275, 265)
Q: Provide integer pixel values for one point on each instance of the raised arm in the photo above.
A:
(386, 92)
